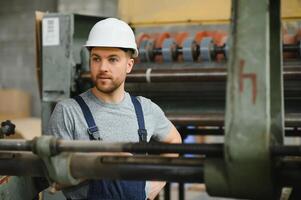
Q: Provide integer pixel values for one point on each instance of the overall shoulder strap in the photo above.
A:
(92, 128)
(142, 132)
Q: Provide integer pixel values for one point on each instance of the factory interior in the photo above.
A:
(226, 74)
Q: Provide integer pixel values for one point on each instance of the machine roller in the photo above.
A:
(207, 49)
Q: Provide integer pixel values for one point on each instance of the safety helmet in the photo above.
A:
(112, 32)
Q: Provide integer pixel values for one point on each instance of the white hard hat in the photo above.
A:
(112, 32)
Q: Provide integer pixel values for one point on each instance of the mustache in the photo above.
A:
(103, 75)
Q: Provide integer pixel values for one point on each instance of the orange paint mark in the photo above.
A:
(219, 37)
(200, 35)
(180, 37)
(161, 38)
(141, 37)
(4, 180)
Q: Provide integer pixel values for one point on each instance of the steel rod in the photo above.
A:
(189, 74)
(93, 166)
(217, 119)
(197, 119)
(294, 48)
(138, 168)
(97, 146)
(15, 145)
(214, 150)
(152, 148)
(288, 172)
(21, 164)
(219, 131)
(288, 150)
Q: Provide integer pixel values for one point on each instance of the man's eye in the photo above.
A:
(95, 59)
(113, 60)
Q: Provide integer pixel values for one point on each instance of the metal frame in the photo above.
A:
(254, 104)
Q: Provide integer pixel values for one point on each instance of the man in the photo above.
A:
(115, 116)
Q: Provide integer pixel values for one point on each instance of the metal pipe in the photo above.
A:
(21, 164)
(96, 146)
(288, 150)
(93, 166)
(292, 122)
(189, 74)
(16, 145)
(138, 168)
(197, 119)
(151, 148)
(294, 48)
(219, 131)
(177, 74)
(217, 119)
(288, 172)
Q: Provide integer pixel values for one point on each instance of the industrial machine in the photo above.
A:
(240, 82)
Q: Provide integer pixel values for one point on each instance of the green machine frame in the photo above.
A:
(63, 37)
(254, 104)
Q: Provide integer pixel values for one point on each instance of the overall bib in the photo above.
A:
(112, 189)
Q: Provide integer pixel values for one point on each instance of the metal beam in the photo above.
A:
(254, 104)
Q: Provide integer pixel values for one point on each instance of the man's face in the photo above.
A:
(109, 67)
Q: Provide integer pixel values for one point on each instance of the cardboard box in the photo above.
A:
(14, 104)
(26, 128)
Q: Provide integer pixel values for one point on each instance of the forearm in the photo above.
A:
(156, 186)
(173, 137)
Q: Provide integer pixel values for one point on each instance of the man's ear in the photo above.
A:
(130, 65)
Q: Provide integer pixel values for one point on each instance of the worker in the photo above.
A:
(108, 113)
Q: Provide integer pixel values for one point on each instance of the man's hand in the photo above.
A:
(155, 188)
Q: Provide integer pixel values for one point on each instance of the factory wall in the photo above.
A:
(106, 8)
(17, 39)
(161, 12)
(17, 46)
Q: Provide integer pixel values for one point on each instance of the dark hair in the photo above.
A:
(128, 51)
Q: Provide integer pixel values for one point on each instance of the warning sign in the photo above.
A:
(51, 31)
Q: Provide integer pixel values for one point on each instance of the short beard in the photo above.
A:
(107, 90)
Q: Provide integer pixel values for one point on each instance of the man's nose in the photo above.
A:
(103, 66)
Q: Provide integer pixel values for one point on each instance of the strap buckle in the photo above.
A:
(142, 134)
(94, 133)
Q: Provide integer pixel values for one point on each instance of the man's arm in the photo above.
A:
(156, 186)
(173, 136)
(60, 123)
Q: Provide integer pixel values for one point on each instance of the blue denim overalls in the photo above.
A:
(112, 189)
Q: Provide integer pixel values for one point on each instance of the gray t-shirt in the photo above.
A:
(116, 123)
